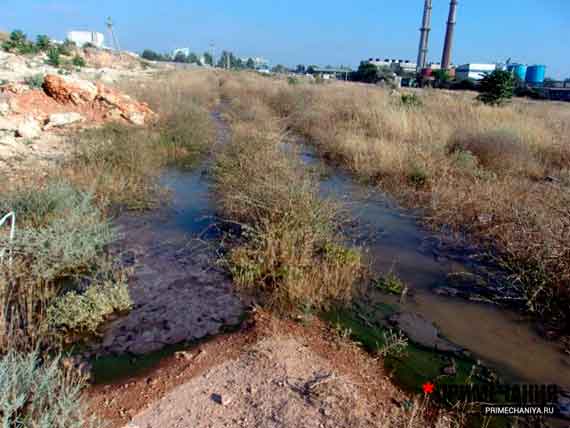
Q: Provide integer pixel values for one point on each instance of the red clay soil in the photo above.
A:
(118, 403)
(38, 104)
(95, 102)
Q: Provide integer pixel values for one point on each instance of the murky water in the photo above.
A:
(501, 338)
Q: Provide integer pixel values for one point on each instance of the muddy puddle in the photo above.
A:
(395, 243)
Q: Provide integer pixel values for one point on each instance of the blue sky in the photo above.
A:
(314, 31)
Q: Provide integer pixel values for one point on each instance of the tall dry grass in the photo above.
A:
(121, 164)
(499, 175)
(290, 254)
(64, 229)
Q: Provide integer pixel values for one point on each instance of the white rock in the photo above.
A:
(136, 118)
(8, 124)
(4, 108)
(63, 119)
(7, 137)
(29, 128)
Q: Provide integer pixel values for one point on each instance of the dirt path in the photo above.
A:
(273, 373)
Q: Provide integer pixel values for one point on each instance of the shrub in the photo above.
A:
(35, 82)
(497, 87)
(78, 61)
(54, 58)
(63, 232)
(292, 80)
(290, 256)
(19, 43)
(82, 313)
(410, 100)
(40, 394)
(43, 42)
(418, 176)
(499, 150)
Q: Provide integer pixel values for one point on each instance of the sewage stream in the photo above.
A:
(181, 296)
(502, 339)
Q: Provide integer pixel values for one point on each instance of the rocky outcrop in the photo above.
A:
(69, 90)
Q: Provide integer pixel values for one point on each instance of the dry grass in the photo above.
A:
(121, 164)
(63, 226)
(477, 168)
(291, 256)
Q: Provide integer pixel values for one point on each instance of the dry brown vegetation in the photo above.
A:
(499, 175)
(292, 256)
(63, 224)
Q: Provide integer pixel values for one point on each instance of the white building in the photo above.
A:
(398, 66)
(473, 71)
(258, 62)
(81, 38)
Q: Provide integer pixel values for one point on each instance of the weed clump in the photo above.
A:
(289, 256)
(36, 393)
(81, 314)
(500, 150)
(60, 243)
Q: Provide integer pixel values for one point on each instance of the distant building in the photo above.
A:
(81, 38)
(473, 71)
(331, 73)
(258, 62)
(184, 51)
(398, 66)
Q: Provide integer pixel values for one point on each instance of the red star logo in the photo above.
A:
(428, 388)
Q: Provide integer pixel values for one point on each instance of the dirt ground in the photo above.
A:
(272, 373)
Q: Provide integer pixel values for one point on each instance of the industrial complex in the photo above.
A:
(423, 73)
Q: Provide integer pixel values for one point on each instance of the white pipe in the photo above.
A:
(4, 219)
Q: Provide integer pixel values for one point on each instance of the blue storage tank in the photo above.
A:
(520, 71)
(535, 74)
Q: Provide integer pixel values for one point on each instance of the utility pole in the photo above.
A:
(112, 33)
(212, 52)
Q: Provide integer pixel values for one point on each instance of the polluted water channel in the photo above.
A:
(471, 330)
(179, 291)
(181, 295)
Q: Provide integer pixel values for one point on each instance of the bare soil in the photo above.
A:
(273, 373)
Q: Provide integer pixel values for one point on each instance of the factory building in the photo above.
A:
(398, 66)
(473, 71)
(81, 38)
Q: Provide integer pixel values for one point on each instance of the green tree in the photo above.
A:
(151, 55)
(250, 64)
(193, 58)
(279, 68)
(43, 42)
(18, 42)
(78, 61)
(18, 37)
(497, 87)
(208, 59)
(441, 75)
(180, 57)
(300, 69)
(224, 61)
(367, 73)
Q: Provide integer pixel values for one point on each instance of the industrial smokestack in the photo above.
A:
(424, 36)
(446, 60)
